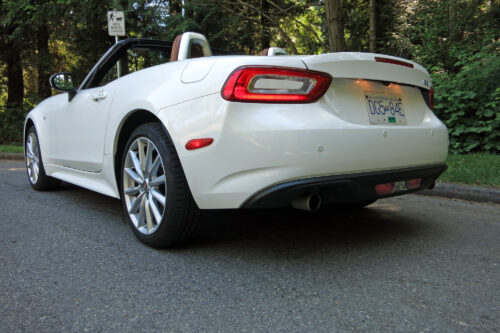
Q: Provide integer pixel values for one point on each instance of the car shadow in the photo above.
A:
(285, 232)
(289, 232)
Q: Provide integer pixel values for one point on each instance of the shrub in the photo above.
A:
(469, 102)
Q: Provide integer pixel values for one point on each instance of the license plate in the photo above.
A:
(385, 109)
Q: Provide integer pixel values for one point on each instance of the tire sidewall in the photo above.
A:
(168, 231)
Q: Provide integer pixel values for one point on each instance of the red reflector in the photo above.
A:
(431, 98)
(412, 184)
(394, 62)
(265, 84)
(198, 143)
(385, 189)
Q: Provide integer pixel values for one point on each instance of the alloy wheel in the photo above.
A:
(144, 185)
(32, 158)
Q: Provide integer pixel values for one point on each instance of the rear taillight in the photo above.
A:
(394, 62)
(428, 96)
(275, 85)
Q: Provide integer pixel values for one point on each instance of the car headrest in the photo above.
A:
(174, 55)
(190, 45)
(273, 51)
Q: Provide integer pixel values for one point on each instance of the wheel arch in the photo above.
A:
(28, 123)
(133, 120)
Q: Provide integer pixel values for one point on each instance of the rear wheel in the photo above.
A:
(34, 165)
(155, 195)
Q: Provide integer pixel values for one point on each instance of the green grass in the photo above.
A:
(11, 149)
(473, 169)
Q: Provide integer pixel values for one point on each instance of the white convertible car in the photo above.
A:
(172, 128)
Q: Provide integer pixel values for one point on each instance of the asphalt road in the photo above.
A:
(68, 263)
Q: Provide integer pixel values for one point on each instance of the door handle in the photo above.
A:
(99, 96)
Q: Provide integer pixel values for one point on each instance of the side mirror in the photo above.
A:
(63, 82)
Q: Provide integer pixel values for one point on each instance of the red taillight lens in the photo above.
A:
(394, 62)
(198, 143)
(275, 85)
(413, 184)
(385, 189)
(431, 98)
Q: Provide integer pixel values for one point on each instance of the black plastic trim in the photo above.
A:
(343, 188)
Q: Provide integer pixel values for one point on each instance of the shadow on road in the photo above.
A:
(292, 233)
(285, 232)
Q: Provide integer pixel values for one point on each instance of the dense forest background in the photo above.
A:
(457, 40)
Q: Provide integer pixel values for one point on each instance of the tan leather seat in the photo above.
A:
(195, 52)
(265, 52)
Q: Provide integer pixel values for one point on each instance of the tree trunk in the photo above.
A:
(175, 7)
(15, 84)
(373, 31)
(453, 31)
(265, 25)
(44, 90)
(335, 25)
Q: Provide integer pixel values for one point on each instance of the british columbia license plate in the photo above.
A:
(385, 108)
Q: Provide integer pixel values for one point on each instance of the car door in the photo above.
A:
(81, 128)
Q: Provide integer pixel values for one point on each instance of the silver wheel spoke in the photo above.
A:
(137, 163)
(142, 157)
(142, 214)
(154, 209)
(132, 190)
(155, 165)
(149, 159)
(158, 196)
(157, 181)
(149, 219)
(136, 204)
(30, 147)
(138, 179)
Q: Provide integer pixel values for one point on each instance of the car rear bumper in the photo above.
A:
(343, 188)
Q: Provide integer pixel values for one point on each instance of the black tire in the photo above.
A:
(42, 182)
(180, 217)
(352, 206)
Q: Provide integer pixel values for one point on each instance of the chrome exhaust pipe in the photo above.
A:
(309, 202)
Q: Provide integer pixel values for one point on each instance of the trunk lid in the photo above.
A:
(356, 65)
(371, 93)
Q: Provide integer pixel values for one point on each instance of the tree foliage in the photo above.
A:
(457, 40)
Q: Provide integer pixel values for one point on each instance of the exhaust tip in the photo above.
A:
(309, 202)
(314, 202)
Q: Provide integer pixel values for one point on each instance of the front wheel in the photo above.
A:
(156, 197)
(34, 165)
